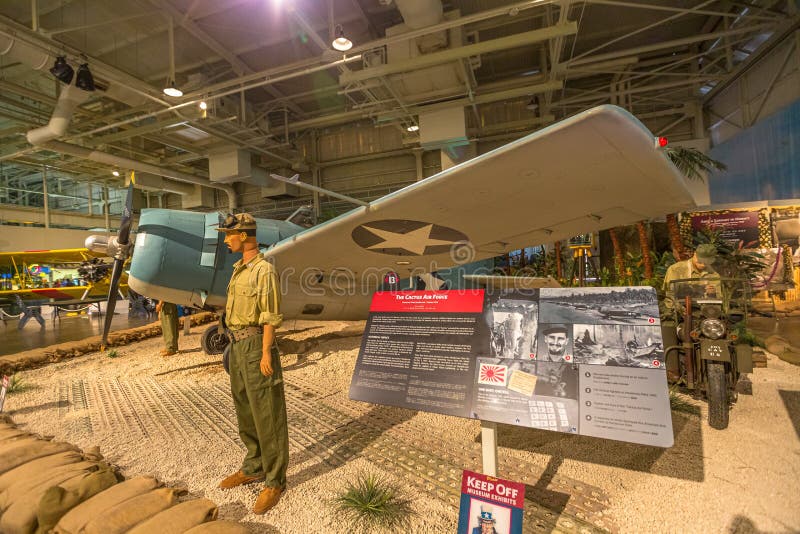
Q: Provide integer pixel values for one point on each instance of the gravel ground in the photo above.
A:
(171, 418)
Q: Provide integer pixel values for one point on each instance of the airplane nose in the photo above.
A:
(97, 243)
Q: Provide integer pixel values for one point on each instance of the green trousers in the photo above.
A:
(261, 411)
(169, 325)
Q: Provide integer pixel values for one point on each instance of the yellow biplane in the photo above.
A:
(27, 274)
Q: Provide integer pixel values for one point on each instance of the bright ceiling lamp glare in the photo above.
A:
(413, 128)
(203, 105)
(171, 90)
(84, 79)
(341, 43)
(62, 70)
(115, 173)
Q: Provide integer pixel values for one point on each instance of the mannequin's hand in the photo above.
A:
(266, 363)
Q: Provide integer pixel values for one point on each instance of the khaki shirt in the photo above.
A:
(685, 269)
(254, 296)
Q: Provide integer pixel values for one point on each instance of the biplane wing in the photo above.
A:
(49, 257)
(596, 170)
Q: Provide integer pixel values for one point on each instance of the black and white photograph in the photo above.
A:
(512, 326)
(621, 345)
(555, 343)
(599, 305)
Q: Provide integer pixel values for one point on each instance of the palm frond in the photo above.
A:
(691, 162)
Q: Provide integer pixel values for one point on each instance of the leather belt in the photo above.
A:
(244, 333)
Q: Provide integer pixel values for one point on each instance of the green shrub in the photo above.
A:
(678, 403)
(17, 385)
(372, 502)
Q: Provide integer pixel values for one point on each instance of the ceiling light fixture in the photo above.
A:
(84, 79)
(62, 70)
(413, 128)
(203, 105)
(115, 173)
(170, 89)
(341, 43)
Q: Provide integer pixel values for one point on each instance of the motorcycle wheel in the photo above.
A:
(718, 407)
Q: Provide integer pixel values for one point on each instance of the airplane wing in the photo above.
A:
(593, 171)
(67, 255)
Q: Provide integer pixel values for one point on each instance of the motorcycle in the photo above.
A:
(710, 359)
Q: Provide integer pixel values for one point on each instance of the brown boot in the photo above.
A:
(267, 499)
(167, 352)
(239, 479)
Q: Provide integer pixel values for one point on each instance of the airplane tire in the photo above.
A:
(214, 340)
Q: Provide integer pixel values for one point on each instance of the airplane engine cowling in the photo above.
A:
(179, 257)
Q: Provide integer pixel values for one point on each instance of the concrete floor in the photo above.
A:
(66, 328)
(786, 327)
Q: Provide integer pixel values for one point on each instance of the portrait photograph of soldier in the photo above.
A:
(555, 343)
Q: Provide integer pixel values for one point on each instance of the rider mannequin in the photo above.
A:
(698, 266)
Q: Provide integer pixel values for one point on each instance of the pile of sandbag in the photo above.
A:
(47, 486)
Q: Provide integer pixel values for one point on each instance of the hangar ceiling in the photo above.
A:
(280, 99)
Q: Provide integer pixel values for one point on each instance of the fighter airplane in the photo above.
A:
(595, 170)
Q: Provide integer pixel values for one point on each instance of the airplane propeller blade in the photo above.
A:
(119, 261)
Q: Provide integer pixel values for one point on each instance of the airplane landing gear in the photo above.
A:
(214, 340)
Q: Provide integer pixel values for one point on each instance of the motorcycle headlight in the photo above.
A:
(712, 328)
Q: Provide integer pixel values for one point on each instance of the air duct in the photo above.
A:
(70, 98)
(420, 13)
(16, 50)
(117, 161)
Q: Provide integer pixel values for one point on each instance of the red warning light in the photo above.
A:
(662, 142)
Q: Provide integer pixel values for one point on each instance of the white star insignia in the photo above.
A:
(414, 242)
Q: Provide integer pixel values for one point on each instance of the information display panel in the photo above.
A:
(579, 360)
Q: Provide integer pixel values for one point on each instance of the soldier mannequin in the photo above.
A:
(168, 312)
(252, 315)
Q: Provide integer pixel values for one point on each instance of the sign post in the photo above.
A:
(489, 447)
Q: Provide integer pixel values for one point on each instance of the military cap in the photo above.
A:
(706, 253)
(555, 329)
(239, 222)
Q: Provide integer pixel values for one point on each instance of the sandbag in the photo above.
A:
(27, 470)
(127, 514)
(21, 487)
(74, 520)
(12, 432)
(59, 500)
(219, 527)
(179, 518)
(20, 452)
(20, 518)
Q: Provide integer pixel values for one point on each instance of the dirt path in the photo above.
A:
(173, 418)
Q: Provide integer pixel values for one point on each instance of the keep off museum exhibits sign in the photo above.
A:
(586, 361)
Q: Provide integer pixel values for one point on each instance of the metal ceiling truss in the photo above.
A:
(652, 77)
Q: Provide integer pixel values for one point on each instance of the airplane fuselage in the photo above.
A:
(180, 257)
